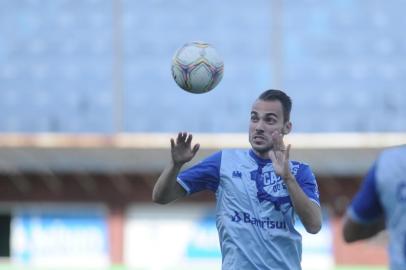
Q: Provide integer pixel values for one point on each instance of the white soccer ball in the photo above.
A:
(197, 67)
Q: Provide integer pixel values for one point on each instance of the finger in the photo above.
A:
(272, 156)
(172, 143)
(275, 136)
(287, 152)
(189, 139)
(279, 145)
(195, 149)
(179, 138)
(184, 135)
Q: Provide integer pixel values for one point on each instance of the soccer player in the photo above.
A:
(259, 191)
(380, 203)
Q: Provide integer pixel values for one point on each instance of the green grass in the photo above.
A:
(122, 267)
(361, 268)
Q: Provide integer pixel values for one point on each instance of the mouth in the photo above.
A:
(258, 138)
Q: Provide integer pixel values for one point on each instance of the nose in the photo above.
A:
(259, 127)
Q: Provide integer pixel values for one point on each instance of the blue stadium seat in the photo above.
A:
(341, 62)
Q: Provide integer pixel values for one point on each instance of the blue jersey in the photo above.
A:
(383, 193)
(254, 214)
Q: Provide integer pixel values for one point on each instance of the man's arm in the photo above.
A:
(166, 188)
(308, 211)
(353, 231)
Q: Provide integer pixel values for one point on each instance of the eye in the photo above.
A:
(254, 118)
(270, 120)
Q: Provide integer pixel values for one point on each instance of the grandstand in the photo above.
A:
(87, 107)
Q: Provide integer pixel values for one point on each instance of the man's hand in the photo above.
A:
(309, 212)
(279, 155)
(182, 151)
(166, 188)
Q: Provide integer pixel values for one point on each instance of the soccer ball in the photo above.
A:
(197, 67)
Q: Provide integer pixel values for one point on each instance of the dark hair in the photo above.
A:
(273, 94)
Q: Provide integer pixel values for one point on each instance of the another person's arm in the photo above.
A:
(354, 231)
(167, 189)
(364, 217)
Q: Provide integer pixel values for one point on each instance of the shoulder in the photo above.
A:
(302, 172)
(299, 163)
(213, 158)
(232, 157)
(300, 166)
(390, 165)
(235, 153)
(393, 154)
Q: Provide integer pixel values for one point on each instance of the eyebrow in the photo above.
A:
(272, 114)
(267, 114)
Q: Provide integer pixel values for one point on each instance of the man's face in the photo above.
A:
(266, 117)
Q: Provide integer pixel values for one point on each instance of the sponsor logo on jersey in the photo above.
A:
(266, 223)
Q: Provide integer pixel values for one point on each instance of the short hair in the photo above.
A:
(286, 101)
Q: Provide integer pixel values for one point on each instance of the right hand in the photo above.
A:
(182, 151)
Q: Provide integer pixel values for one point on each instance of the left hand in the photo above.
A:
(279, 155)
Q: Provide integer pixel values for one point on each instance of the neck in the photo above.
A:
(263, 155)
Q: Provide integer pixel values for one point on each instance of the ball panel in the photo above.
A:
(216, 79)
(213, 57)
(179, 76)
(201, 77)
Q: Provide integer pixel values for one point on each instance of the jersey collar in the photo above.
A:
(259, 160)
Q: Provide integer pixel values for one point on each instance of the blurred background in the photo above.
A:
(88, 104)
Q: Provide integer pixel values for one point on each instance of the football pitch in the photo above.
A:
(360, 268)
(120, 267)
(336, 268)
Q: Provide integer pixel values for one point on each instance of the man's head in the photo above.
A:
(270, 113)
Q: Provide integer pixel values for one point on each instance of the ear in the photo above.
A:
(287, 127)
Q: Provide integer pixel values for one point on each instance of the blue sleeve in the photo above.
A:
(366, 207)
(307, 182)
(205, 175)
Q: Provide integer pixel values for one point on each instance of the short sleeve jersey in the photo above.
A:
(383, 193)
(254, 214)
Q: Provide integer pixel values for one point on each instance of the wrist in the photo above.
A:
(289, 178)
(177, 165)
